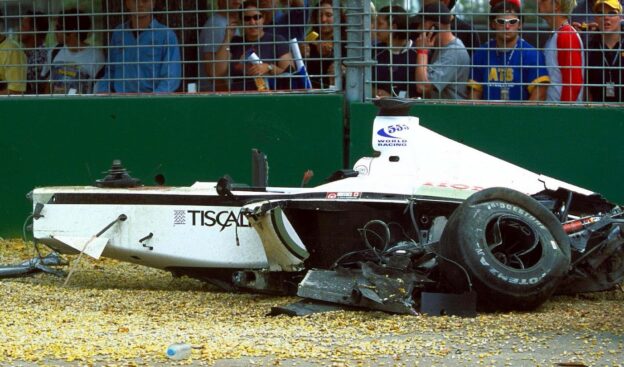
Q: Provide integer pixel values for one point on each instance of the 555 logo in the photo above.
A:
(392, 130)
(390, 136)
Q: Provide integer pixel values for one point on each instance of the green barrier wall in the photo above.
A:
(579, 145)
(70, 141)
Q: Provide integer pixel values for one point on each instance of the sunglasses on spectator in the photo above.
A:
(248, 18)
(503, 21)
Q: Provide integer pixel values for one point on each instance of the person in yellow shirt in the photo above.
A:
(13, 65)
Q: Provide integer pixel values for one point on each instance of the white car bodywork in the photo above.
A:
(196, 227)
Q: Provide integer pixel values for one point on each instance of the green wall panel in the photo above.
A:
(70, 141)
(580, 145)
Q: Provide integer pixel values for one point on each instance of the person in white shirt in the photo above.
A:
(74, 64)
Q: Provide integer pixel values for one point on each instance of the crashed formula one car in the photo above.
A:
(427, 222)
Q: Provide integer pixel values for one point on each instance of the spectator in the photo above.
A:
(461, 29)
(143, 54)
(508, 67)
(74, 65)
(382, 27)
(33, 32)
(13, 65)
(583, 15)
(271, 49)
(395, 72)
(289, 22)
(583, 19)
(443, 63)
(563, 52)
(604, 58)
(320, 60)
(214, 38)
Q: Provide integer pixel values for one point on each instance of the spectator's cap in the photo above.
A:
(517, 3)
(613, 4)
(504, 7)
(435, 12)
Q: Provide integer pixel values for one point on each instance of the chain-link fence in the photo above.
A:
(478, 50)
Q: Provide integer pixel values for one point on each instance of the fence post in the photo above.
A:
(358, 45)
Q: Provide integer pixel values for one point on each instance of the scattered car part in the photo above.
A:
(34, 265)
(117, 176)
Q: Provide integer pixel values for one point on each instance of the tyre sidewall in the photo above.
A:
(499, 286)
(497, 276)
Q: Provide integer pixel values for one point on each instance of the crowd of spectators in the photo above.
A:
(506, 67)
(261, 45)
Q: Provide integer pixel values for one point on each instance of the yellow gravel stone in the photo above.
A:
(122, 314)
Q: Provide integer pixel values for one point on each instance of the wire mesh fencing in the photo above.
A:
(471, 50)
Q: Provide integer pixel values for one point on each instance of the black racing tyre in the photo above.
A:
(512, 248)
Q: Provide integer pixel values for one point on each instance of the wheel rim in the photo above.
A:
(513, 242)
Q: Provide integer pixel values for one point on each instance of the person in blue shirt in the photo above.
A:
(143, 55)
(507, 67)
